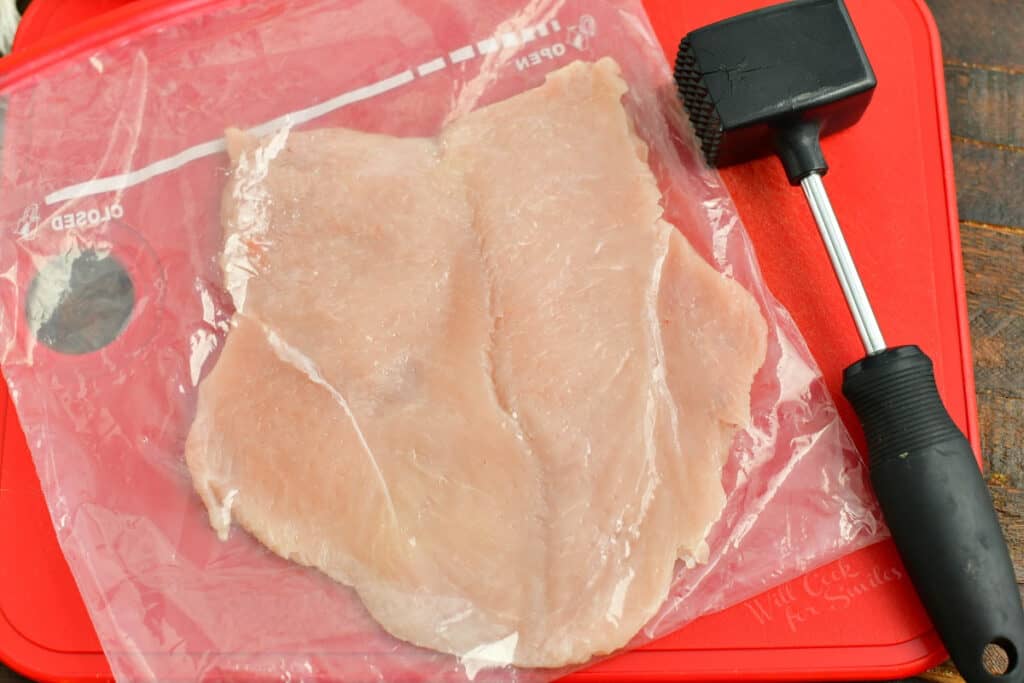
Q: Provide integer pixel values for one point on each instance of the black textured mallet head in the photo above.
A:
(772, 81)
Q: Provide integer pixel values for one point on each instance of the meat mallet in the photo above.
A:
(776, 81)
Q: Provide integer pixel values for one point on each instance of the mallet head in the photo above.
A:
(772, 81)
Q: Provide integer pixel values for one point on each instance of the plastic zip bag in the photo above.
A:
(116, 308)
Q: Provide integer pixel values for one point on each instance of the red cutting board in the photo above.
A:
(892, 185)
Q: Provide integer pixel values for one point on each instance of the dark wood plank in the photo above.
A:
(946, 673)
(1002, 428)
(990, 183)
(982, 32)
(983, 46)
(986, 105)
(994, 265)
(1009, 502)
(8, 676)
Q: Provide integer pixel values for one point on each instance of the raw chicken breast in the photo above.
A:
(477, 378)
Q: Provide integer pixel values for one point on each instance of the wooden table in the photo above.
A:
(983, 46)
(983, 42)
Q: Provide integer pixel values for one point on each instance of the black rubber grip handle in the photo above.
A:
(940, 512)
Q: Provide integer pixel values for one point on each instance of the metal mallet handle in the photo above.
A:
(931, 492)
(775, 81)
(842, 262)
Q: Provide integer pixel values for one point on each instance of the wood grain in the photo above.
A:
(990, 188)
(983, 45)
(983, 32)
(994, 264)
(8, 676)
(986, 105)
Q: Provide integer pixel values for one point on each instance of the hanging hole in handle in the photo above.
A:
(999, 657)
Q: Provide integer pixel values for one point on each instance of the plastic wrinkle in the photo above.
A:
(291, 355)
(251, 195)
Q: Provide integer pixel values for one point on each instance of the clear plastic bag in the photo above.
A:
(116, 310)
